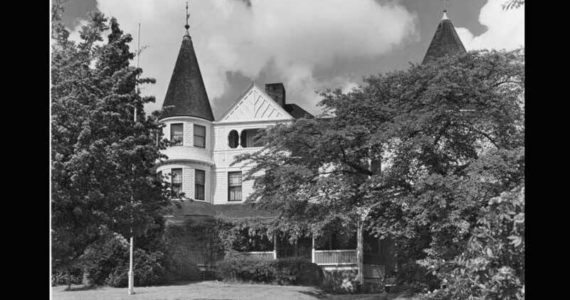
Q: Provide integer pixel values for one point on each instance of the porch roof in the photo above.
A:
(228, 211)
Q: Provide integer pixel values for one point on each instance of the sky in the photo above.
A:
(309, 45)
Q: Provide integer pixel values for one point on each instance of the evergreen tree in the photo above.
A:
(102, 159)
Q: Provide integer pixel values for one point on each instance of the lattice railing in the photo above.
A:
(335, 257)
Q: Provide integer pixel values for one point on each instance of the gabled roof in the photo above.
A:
(254, 106)
(445, 41)
(186, 94)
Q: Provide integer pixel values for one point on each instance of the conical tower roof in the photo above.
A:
(186, 94)
(445, 41)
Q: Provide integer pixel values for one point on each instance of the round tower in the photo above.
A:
(188, 121)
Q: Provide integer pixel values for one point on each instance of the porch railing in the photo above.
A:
(335, 257)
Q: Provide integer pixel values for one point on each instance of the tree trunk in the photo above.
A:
(68, 279)
(360, 252)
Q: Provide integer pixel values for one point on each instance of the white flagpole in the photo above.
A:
(131, 246)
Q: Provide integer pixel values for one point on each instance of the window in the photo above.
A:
(176, 134)
(233, 139)
(250, 138)
(199, 184)
(234, 186)
(199, 136)
(176, 181)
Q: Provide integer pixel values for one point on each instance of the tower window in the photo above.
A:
(176, 134)
(176, 181)
(199, 184)
(199, 136)
(234, 186)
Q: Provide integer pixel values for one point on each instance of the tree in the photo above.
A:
(510, 4)
(102, 160)
(412, 155)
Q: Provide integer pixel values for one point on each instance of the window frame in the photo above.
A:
(172, 140)
(196, 184)
(230, 187)
(178, 185)
(204, 137)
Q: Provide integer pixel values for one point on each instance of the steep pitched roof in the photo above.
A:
(248, 107)
(445, 41)
(186, 94)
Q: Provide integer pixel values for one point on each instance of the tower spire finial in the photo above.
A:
(445, 2)
(187, 16)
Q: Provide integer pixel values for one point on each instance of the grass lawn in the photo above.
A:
(210, 290)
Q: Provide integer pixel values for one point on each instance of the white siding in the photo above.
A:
(188, 181)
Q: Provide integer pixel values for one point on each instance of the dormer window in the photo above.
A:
(176, 134)
(199, 136)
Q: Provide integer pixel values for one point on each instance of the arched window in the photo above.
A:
(233, 139)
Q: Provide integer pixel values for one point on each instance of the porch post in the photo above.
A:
(275, 246)
(359, 252)
(313, 248)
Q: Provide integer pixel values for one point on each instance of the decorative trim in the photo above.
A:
(181, 118)
(264, 95)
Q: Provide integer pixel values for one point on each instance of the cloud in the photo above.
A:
(505, 28)
(293, 37)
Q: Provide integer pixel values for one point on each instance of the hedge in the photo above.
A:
(286, 271)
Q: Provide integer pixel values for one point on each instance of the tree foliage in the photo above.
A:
(102, 160)
(512, 4)
(418, 152)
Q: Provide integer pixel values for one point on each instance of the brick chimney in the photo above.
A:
(277, 92)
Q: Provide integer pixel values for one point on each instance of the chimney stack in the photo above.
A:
(277, 92)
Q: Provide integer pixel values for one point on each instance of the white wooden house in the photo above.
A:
(199, 161)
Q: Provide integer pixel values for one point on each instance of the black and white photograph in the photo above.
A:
(287, 149)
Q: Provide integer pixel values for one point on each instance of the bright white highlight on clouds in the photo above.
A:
(292, 36)
(505, 28)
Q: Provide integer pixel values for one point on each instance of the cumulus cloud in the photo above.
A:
(293, 37)
(505, 28)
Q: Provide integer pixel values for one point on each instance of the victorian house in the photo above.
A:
(202, 149)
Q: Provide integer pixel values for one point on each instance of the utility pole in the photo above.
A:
(131, 246)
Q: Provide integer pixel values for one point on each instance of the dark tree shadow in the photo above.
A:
(316, 294)
(81, 288)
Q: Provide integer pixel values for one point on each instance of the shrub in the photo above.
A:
(107, 262)
(180, 267)
(185, 246)
(492, 266)
(296, 270)
(62, 277)
(245, 269)
(148, 267)
(340, 282)
(282, 271)
(102, 258)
